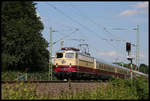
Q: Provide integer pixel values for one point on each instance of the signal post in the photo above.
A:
(128, 49)
(130, 58)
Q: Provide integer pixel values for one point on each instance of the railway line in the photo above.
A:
(54, 87)
(53, 81)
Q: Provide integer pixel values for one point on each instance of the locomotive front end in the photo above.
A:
(65, 64)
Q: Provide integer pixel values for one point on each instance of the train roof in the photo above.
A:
(70, 48)
(102, 61)
(74, 51)
(111, 64)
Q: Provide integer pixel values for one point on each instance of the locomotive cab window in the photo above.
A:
(59, 55)
(69, 55)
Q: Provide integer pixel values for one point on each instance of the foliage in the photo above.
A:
(114, 90)
(142, 90)
(19, 91)
(139, 86)
(9, 75)
(23, 46)
(143, 68)
(14, 75)
(117, 89)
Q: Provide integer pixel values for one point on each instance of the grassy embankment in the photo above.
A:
(116, 89)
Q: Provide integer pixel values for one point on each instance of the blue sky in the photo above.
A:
(91, 18)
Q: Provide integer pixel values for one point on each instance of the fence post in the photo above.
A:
(26, 76)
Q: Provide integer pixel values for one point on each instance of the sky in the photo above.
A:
(97, 23)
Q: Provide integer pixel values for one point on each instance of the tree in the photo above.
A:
(126, 65)
(144, 68)
(23, 46)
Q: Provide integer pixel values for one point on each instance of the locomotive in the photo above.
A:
(70, 63)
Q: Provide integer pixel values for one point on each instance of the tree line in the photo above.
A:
(142, 68)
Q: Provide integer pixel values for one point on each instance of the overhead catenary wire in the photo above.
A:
(86, 17)
(65, 36)
(89, 19)
(60, 11)
(119, 39)
(115, 36)
(82, 26)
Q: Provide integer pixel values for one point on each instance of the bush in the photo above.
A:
(117, 89)
(9, 75)
(139, 87)
(142, 90)
(18, 91)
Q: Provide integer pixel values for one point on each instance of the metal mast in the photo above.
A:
(50, 55)
(137, 48)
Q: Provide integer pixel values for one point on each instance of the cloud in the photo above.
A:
(115, 54)
(128, 13)
(141, 55)
(141, 5)
(111, 53)
(139, 8)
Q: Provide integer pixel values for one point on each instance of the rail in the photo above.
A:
(52, 81)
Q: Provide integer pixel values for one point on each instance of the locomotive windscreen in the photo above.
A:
(69, 55)
(59, 55)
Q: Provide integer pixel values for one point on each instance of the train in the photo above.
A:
(70, 63)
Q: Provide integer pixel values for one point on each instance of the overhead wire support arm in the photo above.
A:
(137, 43)
(80, 24)
(65, 36)
(114, 35)
(89, 19)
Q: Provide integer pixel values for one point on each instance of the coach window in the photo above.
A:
(69, 55)
(59, 55)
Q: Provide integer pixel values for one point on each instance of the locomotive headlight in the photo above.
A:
(56, 64)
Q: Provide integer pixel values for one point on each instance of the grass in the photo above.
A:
(117, 89)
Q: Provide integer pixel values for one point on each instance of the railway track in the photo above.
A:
(52, 81)
(54, 87)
